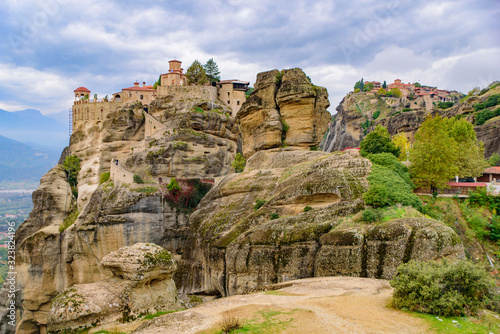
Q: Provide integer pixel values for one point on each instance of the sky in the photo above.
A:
(48, 48)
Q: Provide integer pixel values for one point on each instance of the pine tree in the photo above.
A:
(384, 85)
(196, 74)
(212, 70)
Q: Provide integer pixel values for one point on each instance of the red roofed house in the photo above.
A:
(144, 94)
(491, 174)
(81, 93)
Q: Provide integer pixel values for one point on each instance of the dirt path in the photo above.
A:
(313, 305)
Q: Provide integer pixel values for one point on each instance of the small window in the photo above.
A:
(173, 81)
(237, 103)
(228, 102)
(142, 97)
(227, 93)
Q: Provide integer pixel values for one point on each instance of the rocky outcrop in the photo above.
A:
(285, 109)
(354, 119)
(39, 265)
(199, 140)
(141, 284)
(236, 246)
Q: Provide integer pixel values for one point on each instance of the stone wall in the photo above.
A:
(119, 175)
(208, 93)
(89, 113)
(153, 126)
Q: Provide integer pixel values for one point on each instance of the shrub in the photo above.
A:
(274, 216)
(239, 163)
(406, 109)
(446, 289)
(494, 227)
(229, 323)
(104, 177)
(258, 204)
(371, 215)
(69, 220)
(389, 183)
(492, 100)
(307, 208)
(173, 186)
(138, 179)
(445, 105)
(378, 141)
(494, 159)
(376, 114)
(483, 116)
(314, 148)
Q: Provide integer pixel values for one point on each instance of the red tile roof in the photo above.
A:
(492, 170)
(148, 88)
(467, 184)
(175, 60)
(81, 89)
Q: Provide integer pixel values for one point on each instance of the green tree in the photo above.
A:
(381, 92)
(470, 160)
(378, 141)
(395, 92)
(384, 85)
(494, 159)
(212, 70)
(239, 163)
(72, 167)
(416, 84)
(444, 148)
(368, 87)
(196, 74)
(359, 85)
(157, 83)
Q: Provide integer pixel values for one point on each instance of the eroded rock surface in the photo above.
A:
(235, 247)
(285, 109)
(141, 283)
(355, 118)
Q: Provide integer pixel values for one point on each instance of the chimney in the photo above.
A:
(136, 84)
(144, 84)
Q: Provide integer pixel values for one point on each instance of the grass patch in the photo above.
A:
(69, 220)
(160, 313)
(459, 325)
(146, 190)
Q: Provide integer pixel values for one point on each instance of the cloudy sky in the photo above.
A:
(50, 47)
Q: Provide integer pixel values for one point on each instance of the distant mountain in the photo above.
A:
(19, 161)
(31, 126)
(61, 117)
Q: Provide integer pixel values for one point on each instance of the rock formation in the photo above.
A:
(354, 119)
(235, 247)
(198, 140)
(289, 215)
(285, 109)
(141, 284)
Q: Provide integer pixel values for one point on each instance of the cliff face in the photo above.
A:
(196, 140)
(355, 118)
(235, 248)
(285, 109)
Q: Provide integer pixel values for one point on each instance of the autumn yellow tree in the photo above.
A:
(401, 141)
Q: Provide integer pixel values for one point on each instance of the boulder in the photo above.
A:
(141, 284)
